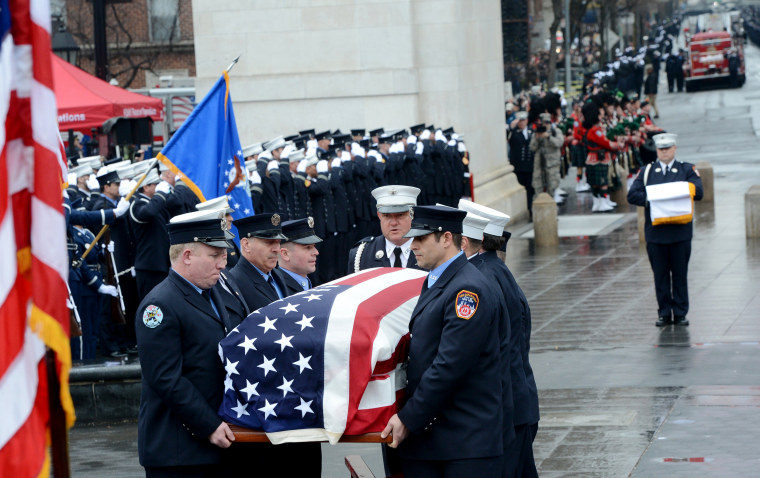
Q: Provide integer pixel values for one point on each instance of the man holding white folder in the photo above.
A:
(667, 188)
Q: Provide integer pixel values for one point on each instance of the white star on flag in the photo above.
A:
(246, 211)
(284, 342)
(304, 407)
(228, 384)
(240, 409)
(305, 322)
(312, 297)
(230, 162)
(268, 324)
(250, 389)
(220, 352)
(235, 330)
(267, 365)
(268, 409)
(248, 344)
(231, 368)
(290, 308)
(239, 152)
(226, 184)
(285, 387)
(303, 362)
(237, 205)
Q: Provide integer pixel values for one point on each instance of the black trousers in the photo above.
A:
(525, 178)
(518, 460)
(470, 468)
(670, 264)
(671, 82)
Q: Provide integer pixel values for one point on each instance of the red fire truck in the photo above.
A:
(708, 59)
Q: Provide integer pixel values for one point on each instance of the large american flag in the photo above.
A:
(33, 255)
(324, 362)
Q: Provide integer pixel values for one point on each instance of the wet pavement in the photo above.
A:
(619, 396)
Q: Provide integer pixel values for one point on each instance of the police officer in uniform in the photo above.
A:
(668, 245)
(298, 254)
(179, 326)
(392, 249)
(518, 459)
(451, 422)
(260, 237)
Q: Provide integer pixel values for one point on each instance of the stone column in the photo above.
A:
(706, 173)
(545, 220)
(356, 64)
(752, 211)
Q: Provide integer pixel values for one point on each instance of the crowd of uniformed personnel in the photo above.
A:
(326, 175)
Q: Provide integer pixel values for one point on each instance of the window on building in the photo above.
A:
(164, 20)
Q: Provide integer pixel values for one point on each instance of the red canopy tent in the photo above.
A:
(85, 101)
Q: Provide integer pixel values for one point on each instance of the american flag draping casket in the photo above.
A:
(325, 362)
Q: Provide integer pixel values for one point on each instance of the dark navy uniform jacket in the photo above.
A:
(150, 217)
(519, 151)
(524, 392)
(454, 390)
(183, 379)
(665, 233)
(368, 258)
(232, 299)
(255, 290)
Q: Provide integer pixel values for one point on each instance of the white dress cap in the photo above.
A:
(496, 220)
(395, 198)
(252, 149)
(92, 161)
(664, 140)
(296, 156)
(473, 226)
(81, 170)
(198, 216)
(250, 165)
(219, 203)
(311, 159)
(152, 178)
(278, 142)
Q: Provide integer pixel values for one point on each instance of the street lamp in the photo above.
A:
(63, 42)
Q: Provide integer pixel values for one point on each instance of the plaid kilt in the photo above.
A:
(578, 155)
(596, 174)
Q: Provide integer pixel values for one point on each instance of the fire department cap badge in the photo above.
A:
(466, 304)
(310, 222)
(275, 220)
(152, 316)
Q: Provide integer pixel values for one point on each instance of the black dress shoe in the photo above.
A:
(681, 320)
(663, 321)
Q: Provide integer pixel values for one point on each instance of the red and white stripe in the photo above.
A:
(384, 298)
(33, 255)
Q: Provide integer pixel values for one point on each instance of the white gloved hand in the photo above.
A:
(108, 290)
(164, 187)
(301, 168)
(374, 154)
(461, 147)
(72, 179)
(121, 208)
(453, 142)
(312, 144)
(125, 187)
(310, 151)
(92, 183)
(335, 163)
(357, 150)
(455, 136)
(396, 148)
(254, 177)
(411, 139)
(177, 177)
(285, 154)
(419, 148)
(110, 247)
(425, 134)
(345, 156)
(273, 165)
(265, 155)
(321, 166)
(439, 136)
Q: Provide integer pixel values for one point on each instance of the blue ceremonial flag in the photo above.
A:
(206, 151)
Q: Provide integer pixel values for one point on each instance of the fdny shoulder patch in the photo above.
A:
(466, 304)
(152, 316)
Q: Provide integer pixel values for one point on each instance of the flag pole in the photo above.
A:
(232, 64)
(59, 439)
(103, 230)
